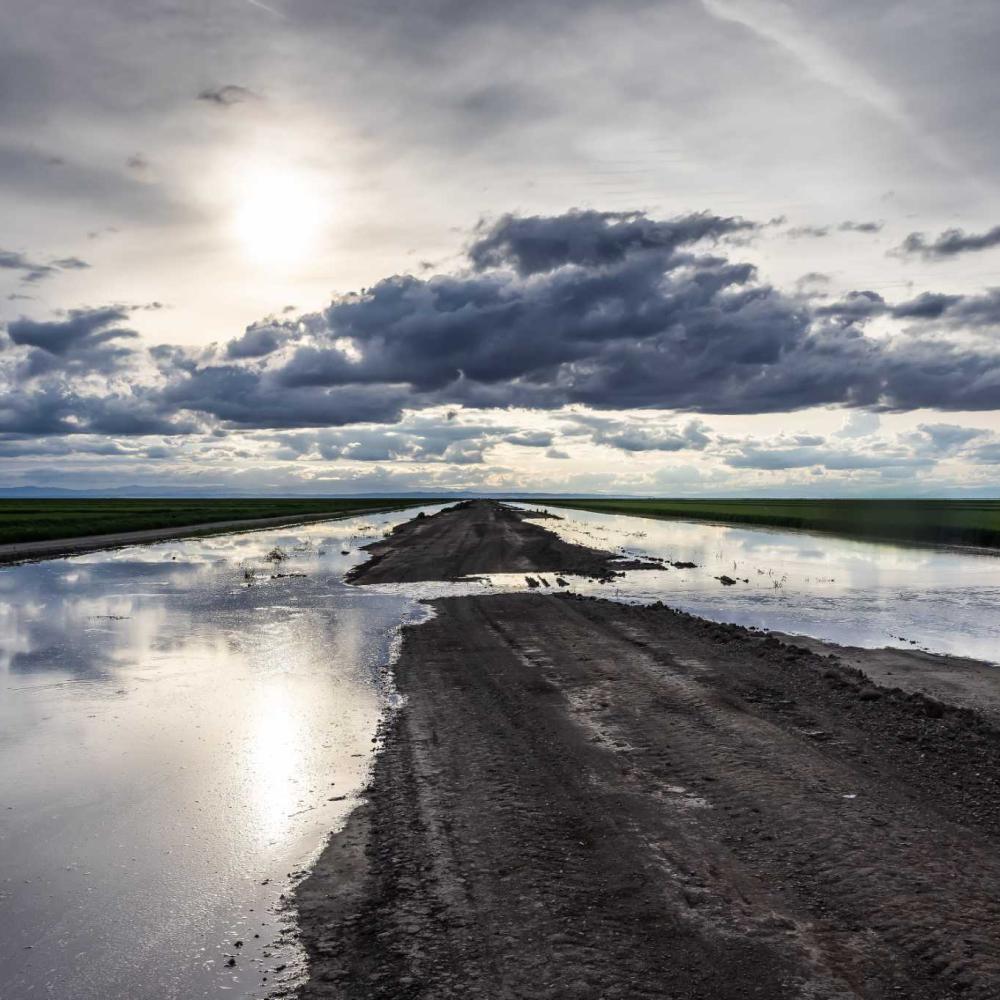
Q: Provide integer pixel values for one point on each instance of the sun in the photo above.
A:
(280, 216)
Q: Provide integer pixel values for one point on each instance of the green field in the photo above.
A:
(927, 522)
(40, 520)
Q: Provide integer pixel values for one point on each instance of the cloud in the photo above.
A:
(779, 455)
(988, 453)
(539, 244)
(33, 270)
(415, 439)
(71, 264)
(860, 227)
(631, 436)
(950, 243)
(228, 95)
(848, 226)
(82, 329)
(859, 423)
(947, 438)
(947, 311)
(258, 340)
(609, 311)
(817, 231)
(530, 439)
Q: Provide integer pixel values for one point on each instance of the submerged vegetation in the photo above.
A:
(928, 522)
(38, 520)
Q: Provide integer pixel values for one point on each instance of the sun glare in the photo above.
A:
(280, 216)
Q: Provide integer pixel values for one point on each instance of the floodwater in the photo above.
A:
(180, 728)
(182, 724)
(850, 592)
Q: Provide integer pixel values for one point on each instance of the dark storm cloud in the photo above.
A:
(48, 366)
(82, 329)
(605, 309)
(228, 95)
(949, 244)
(536, 244)
(258, 340)
(247, 397)
(51, 407)
(613, 311)
(945, 310)
(855, 306)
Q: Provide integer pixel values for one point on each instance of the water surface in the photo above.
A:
(182, 724)
(180, 727)
(851, 592)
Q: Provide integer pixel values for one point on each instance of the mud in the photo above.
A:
(480, 536)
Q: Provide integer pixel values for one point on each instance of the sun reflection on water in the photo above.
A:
(275, 752)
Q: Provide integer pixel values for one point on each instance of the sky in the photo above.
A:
(679, 248)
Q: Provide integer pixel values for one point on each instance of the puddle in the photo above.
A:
(181, 726)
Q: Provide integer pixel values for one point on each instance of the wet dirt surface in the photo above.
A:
(479, 536)
(583, 798)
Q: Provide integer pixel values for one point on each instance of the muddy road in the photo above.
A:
(479, 537)
(587, 799)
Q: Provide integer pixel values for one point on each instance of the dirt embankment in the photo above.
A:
(479, 536)
(587, 799)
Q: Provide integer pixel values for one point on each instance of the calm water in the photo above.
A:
(856, 593)
(178, 725)
(171, 738)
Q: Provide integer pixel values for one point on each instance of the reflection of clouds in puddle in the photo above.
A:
(853, 592)
(155, 703)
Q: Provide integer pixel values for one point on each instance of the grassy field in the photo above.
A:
(929, 522)
(39, 520)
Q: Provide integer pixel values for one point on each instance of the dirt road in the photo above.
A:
(478, 536)
(586, 799)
